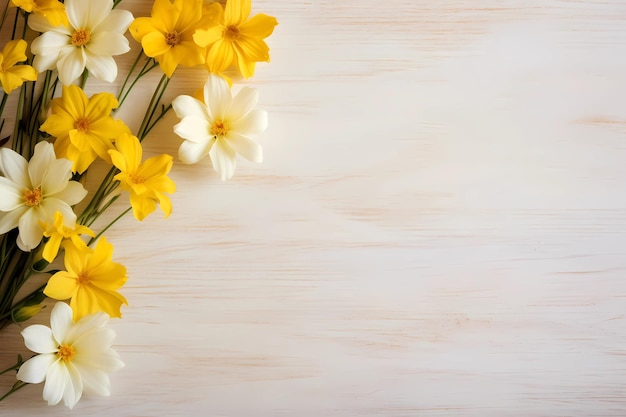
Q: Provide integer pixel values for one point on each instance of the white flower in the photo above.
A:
(32, 192)
(94, 34)
(220, 128)
(72, 356)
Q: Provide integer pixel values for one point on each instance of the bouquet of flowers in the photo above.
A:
(51, 245)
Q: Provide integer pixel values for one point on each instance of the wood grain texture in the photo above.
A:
(438, 229)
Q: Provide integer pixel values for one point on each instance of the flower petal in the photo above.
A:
(194, 129)
(74, 388)
(243, 102)
(221, 55)
(57, 379)
(258, 26)
(236, 12)
(102, 67)
(61, 286)
(154, 44)
(14, 167)
(10, 195)
(107, 44)
(34, 370)
(39, 23)
(49, 43)
(71, 65)
(42, 158)
(253, 123)
(10, 220)
(217, 96)
(39, 339)
(72, 194)
(95, 381)
(245, 147)
(185, 106)
(31, 232)
(61, 322)
(192, 152)
(56, 176)
(117, 21)
(223, 159)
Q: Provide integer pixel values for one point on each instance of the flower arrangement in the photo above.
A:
(49, 236)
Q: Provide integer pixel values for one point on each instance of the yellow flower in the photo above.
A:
(83, 127)
(145, 181)
(167, 35)
(11, 75)
(236, 40)
(52, 10)
(60, 234)
(91, 280)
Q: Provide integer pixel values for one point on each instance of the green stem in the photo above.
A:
(12, 367)
(5, 97)
(154, 104)
(83, 79)
(93, 239)
(145, 70)
(18, 385)
(4, 15)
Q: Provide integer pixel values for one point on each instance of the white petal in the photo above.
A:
(73, 193)
(191, 152)
(11, 196)
(185, 106)
(223, 159)
(61, 322)
(14, 167)
(101, 66)
(217, 96)
(57, 379)
(34, 370)
(31, 232)
(106, 44)
(42, 158)
(56, 177)
(87, 13)
(10, 220)
(49, 43)
(245, 147)
(98, 339)
(45, 62)
(38, 23)
(71, 65)
(74, 388)
(243, 102)
(38, 338)
(106, 361)
(95, 381)
(117, 21)
(193, 129)
(86, 325)
(253, 123)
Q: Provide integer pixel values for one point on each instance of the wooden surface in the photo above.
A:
(438, 229)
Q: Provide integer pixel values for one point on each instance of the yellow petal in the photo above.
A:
(260, 26)
(14, 52)
(154, 44)
(237, 11)
(220, 56)
(100, 106)
(206, 37)
(245, 66)
(253, 49)
(190, 14)
(167, 13)
(61, 286)
(140, 27)
(51, 249)
(142, 206)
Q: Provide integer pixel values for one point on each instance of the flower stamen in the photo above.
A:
(172, 38)
(82, 278)
(219, 128)
(231, 33)
(82, 125)
(136, 179)
(80, 37)
(66, 353)
(32, 198)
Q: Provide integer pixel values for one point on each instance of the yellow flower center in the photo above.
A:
(231, 33)
(32, 198)
(66, 353)
(80, 37)
(82, 278)
(219, 128)
(136, 179)
(82, 125)
(172, 38)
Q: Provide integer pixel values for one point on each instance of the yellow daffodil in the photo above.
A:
(60, 234)
(12, 76)
(52, 10)
(167, 35)
(145, 181)
(91, 280)
(83, 127)
(236, 40)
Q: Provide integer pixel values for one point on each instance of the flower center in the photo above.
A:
(66, 353)
(219, 128)
(136, 179)
(80, 37)
(231, 33)
(82, 278)
(82, 125)
(172, 38)
(32, 198)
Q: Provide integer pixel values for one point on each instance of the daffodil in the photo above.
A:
(221, 127)
(61, 234)
(83, 127)
(146, 181)
(167, 35)
(91, 280)
(95, 34)
(52, 10)
(12, 76)
(31, 192)
(72, 357)
(236, 39)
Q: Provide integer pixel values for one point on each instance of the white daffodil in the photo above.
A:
(95, 33)
(72, 356)
(220, 127)
(32, 192)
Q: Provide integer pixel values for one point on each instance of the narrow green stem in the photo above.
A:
(5, 97)
(154, 104)
(83, 79)
(93, 239)
(12, 367)
(130, 72)
(4, 15)
(145, 70)
(18, 385)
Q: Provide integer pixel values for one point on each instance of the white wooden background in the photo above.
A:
(438, 229)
